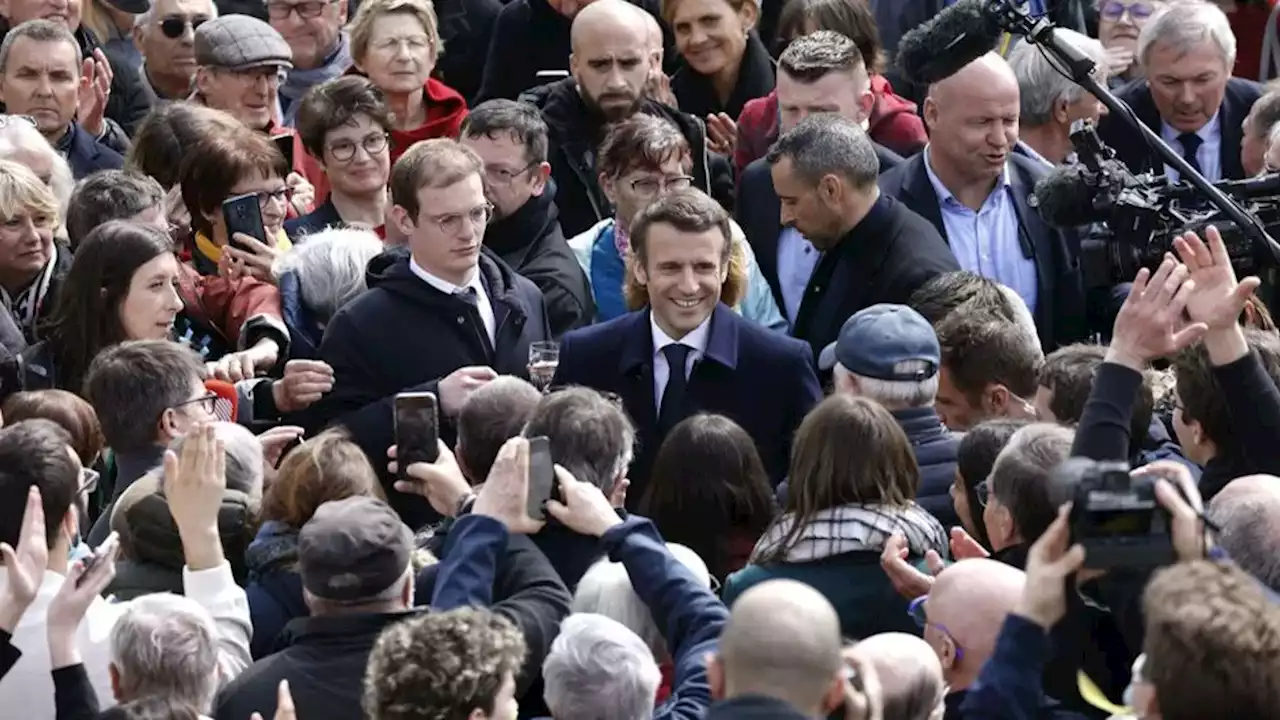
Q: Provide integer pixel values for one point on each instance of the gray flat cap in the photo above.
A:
(240, 42)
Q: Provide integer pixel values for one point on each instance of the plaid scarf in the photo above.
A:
(27, 305)
(851, 528)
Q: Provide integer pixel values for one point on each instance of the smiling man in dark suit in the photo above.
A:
(688, 352)
(975, 191)
(1188, 95)
(819, 73)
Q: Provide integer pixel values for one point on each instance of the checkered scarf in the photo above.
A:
(850, 528)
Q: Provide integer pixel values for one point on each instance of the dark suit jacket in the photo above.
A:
(760, 213)
(1060, 307)
(887, 256)
(1133, 151)
(761, 380)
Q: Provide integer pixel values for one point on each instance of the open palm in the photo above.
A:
(26, 565)
(1217, 298)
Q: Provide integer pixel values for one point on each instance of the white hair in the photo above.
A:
(1022, 318)
(19, 136)
(166, 645)
(606, 589)
(330, 266)
(147, 17)
(597, 668)
(1186, 25)
(244, 458)
(1041, 83)
(898, 393)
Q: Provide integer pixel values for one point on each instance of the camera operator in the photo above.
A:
(1188, 95)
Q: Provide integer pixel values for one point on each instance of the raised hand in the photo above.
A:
(26, 565)
(1217, 298)
(441, 482)
(95, 88)
(505, 495)
(722, 134)
(1177, 492)
(458, 385)
(910, 582)
(194, 484)
(582, 507)
(1150, 324)
(304, 382)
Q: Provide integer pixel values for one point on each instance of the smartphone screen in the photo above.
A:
(542, 477)
(417, 429)
(242, 214)
(551, 74)
(285, 143)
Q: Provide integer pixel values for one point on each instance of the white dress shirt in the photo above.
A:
(27, 691)
(696, 339)
(448, 288)
(1208, 155)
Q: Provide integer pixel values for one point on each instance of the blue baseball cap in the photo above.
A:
(877, 338)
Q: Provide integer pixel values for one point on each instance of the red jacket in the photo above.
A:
(893, 123)
(446, 110)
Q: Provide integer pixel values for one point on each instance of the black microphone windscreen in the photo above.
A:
(946, 43)
(1065, 199)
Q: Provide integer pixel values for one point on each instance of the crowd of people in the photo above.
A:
(760, 387)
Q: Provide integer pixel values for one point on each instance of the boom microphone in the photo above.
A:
(946, 43)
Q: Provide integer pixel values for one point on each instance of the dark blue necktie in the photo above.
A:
(672, 407)
(1191, 142)
(467, 295)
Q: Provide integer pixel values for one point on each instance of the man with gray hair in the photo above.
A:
(598, 668)
(1256, 133)
(1248, 512)
(1188, 96)
(165, 646)
(40, 66)
(165, 36)
(1025, 491)
(889, 353)
(317, 278)
(1051, 100)
(874, 250)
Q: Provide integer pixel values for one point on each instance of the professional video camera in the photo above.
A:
(1144, 213)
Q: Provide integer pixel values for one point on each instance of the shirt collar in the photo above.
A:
(1207, 132)
(944, 194)
(443, 285)
(1031, 153)
(696, 339)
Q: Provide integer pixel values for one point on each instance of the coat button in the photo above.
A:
(461, 320)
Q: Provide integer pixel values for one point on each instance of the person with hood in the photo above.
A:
(610, 66)
(892, 122)
(443, 315)
(511, 138)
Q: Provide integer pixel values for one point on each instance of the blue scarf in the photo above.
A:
(299, 81)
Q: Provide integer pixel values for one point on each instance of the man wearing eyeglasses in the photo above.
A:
(165, 35)
(443, 315)
(313, 29)
(511, 139)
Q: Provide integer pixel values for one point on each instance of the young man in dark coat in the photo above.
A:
(445, 317)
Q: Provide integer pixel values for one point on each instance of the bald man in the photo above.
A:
(962, 617)
(911, 686)
(1248, 512)
(610, 64)
(779, 656)
(970, 184)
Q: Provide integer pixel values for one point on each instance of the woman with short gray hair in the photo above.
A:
(319, 276)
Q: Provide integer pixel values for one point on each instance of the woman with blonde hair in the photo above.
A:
(853, 480)
(32, 265)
